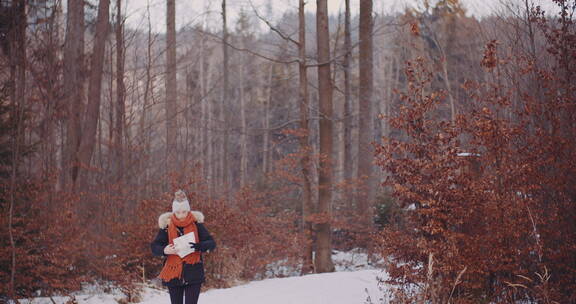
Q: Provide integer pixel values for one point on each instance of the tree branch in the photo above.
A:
(248, 50)
(280, 33)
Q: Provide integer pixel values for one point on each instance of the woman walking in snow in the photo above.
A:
(182, 275)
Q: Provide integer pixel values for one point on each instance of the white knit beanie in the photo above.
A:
(183, 205)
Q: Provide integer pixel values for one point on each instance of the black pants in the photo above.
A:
(191, 293)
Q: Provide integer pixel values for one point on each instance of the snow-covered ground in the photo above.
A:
(329, 288)
(343, 261)
(346, 286)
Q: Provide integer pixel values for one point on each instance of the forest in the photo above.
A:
(438, 142)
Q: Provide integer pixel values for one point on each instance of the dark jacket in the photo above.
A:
(191, 273)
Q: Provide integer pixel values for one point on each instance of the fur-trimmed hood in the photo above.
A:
(164, 218)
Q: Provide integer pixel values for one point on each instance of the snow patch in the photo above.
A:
(354, 282)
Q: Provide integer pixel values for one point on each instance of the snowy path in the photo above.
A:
(346, 287)
(341, 287)
(329, 288)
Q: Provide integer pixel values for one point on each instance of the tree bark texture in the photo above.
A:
(323, 258)
(348, 101)
(17, 54)
(305, 161)
(73, 89)
(120, 93)
(366, 121)
(171, 88)
(224, 171)
(92, 115)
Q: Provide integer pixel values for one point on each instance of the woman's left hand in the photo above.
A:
(195, 246)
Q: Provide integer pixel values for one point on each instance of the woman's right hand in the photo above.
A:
(170, 249)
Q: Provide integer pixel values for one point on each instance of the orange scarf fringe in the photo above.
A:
(173, 267)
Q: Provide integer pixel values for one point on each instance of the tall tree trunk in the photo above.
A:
(203, 100)
(197, 123)
(224, 174)
(186, 118)
(390, 80)
(144, 130)
(211, 147)
(305, 160)
(207, 115)
(94, 93)
(365, 157)
(348, 101)
(17, 57)
(194, 108)
(171, 88)
(52, 106)
(243, 128)
(73, 89)
(340, 128)
(120, 93)
(112, 107)
(266, 139)
(384, 68)
(323, 257)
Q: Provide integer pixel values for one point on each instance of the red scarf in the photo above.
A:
(173, 267)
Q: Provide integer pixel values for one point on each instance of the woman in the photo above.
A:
(182, 276)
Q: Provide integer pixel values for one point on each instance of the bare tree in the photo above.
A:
(305, 160)
(51, 89)
(224, 173)
(120, 92)
(243, 128)
(306, 168)
(17, 54)
(340, 127)
(206, 112)
(73, 88)
(211, 148)
(143, 130)
(348, 101)
(171, 87)
(323, 258)
(366, 197)
(94, 92)
(450, 11)
(266, 139)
